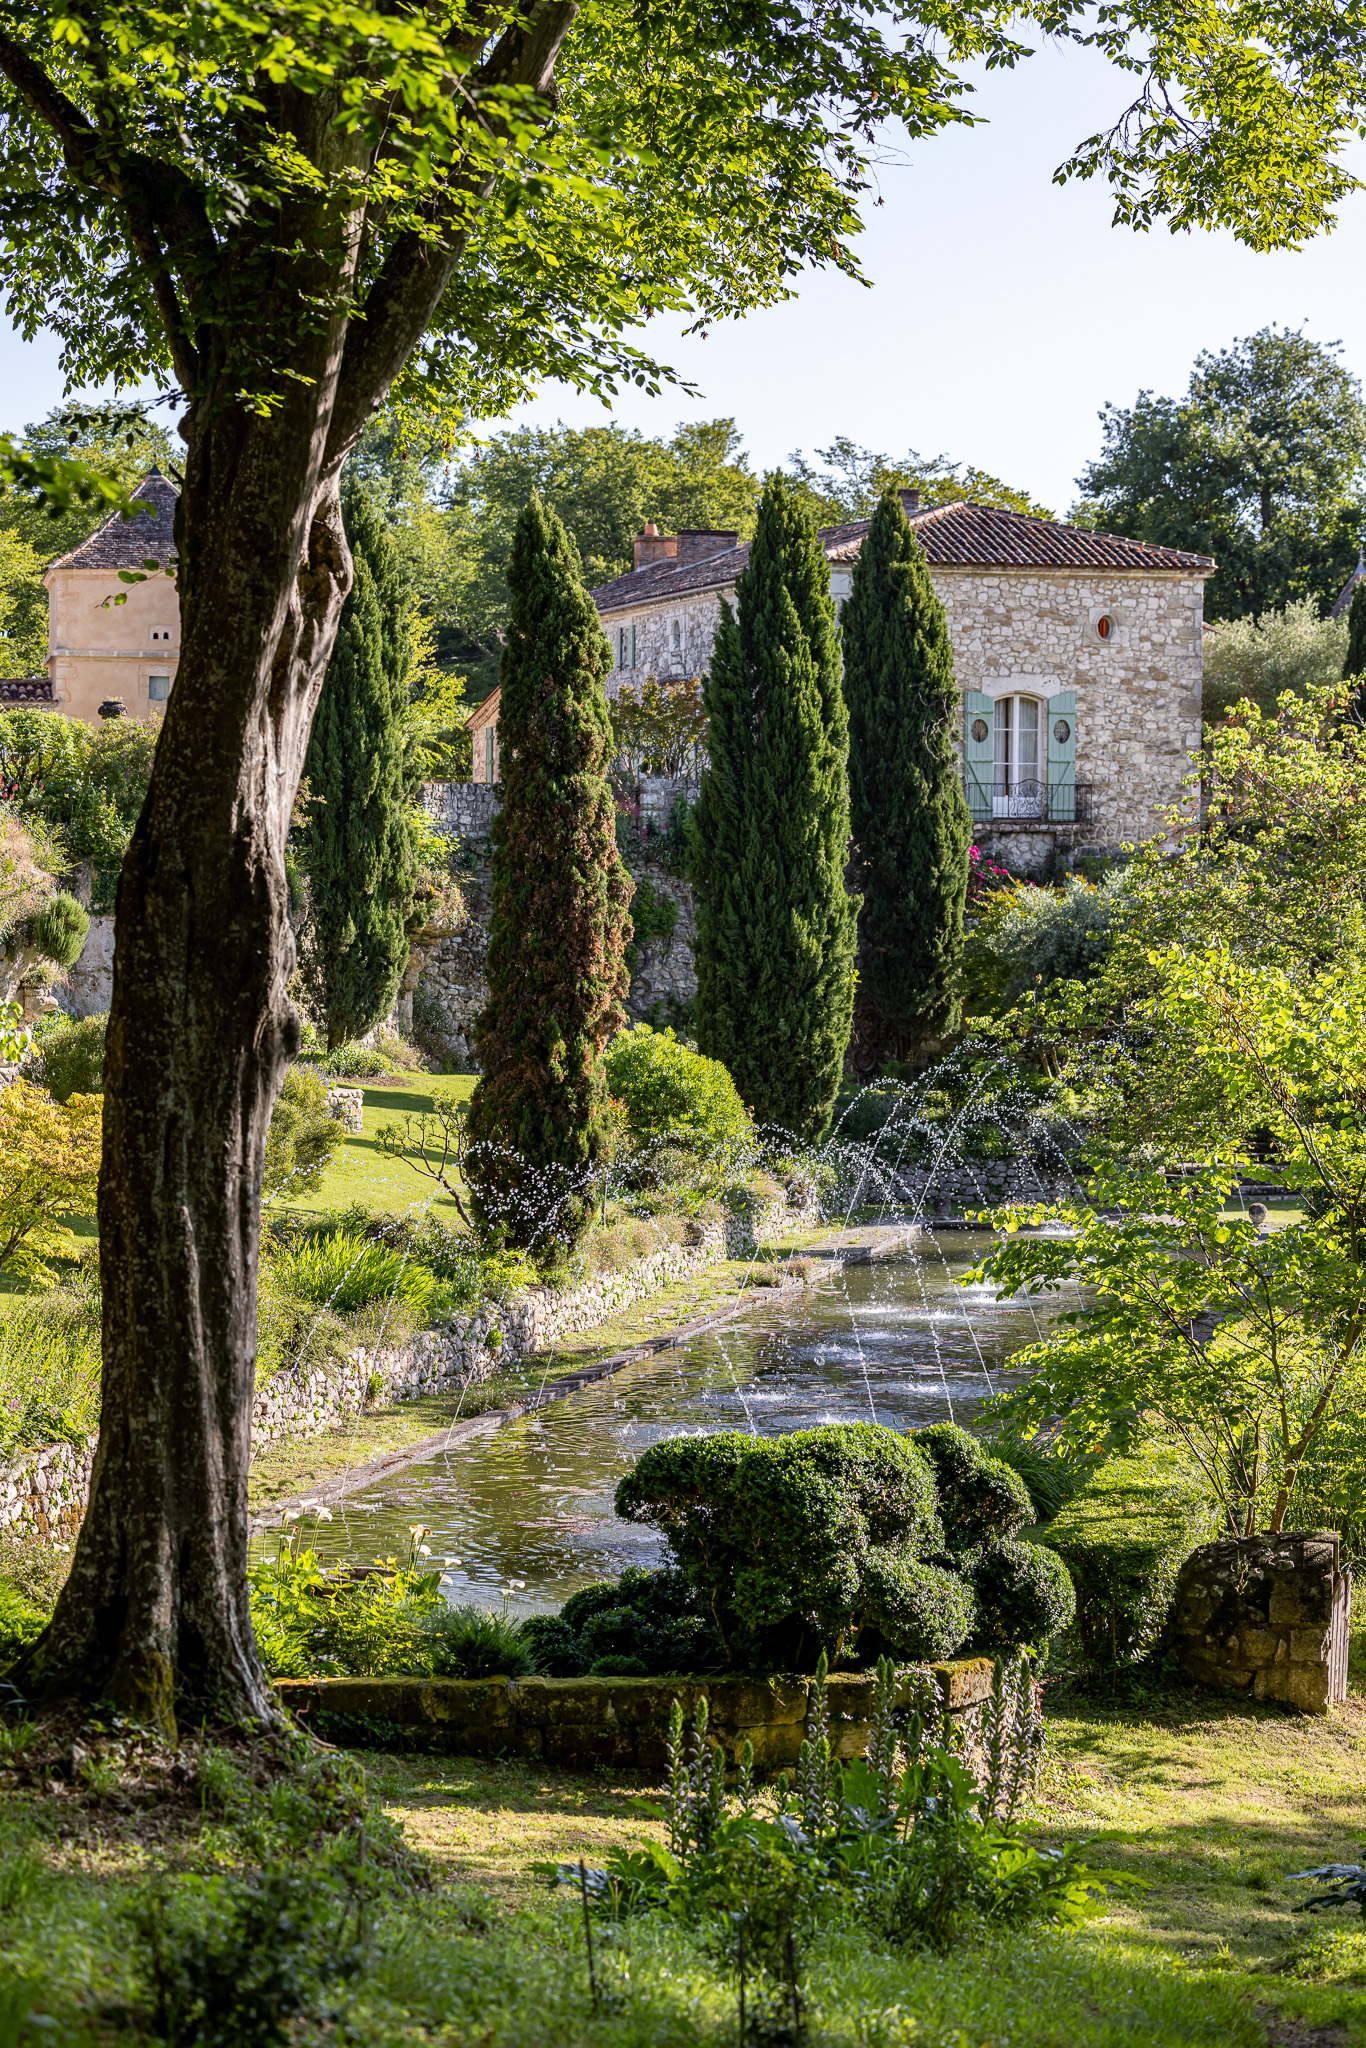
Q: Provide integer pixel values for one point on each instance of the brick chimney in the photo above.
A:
(652, 546)
(697, 543)
(910, 501)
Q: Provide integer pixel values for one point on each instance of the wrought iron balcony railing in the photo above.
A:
(1045, 803)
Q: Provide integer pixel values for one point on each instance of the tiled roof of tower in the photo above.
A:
(959, 536)
(127, 543)
(27, 690)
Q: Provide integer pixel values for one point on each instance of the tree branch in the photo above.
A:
(84, 148)
(415, 275)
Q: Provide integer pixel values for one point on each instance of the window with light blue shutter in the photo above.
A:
(978, 753)
(1062, 756)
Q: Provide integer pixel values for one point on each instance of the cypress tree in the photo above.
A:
(770, 833)
(359, 850)
(559, 925)
(1355, 664)
(911, 826)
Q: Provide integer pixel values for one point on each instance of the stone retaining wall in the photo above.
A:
(1266, 1616)
(620, 1723)
(43, 1493)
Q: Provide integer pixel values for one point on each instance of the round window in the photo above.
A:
(979, 730)
(1062, 732)
(1105, 626)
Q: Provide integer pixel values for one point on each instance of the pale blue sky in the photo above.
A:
(1005, 309)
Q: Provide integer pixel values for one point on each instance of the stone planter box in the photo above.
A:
(620, 1723)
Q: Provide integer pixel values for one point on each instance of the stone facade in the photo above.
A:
(1036, 611)
(465, 809)
(1266, 1616)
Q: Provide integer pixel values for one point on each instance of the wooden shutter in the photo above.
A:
(979, 754)
(633, 646)
(1062, 756)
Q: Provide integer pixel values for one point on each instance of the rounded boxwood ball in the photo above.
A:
(980, 1498)
(920, 1610)
(1024, 1593)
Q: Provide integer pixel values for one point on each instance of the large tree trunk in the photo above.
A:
(200, 1032)
(155, 1613)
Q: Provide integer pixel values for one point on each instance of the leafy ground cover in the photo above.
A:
(120, 1872)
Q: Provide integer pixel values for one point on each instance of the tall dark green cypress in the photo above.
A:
(911, 826)
(1355, 664)
(360, 852)
(770, 833)
(559, 925)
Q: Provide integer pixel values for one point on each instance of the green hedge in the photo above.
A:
(1124, 1538)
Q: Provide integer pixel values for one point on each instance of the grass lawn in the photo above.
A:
(360, 1172)
(1210, 1803)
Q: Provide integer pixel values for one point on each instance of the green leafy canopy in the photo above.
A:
(688, 157)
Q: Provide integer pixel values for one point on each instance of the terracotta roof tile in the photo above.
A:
(27, 690)
(127, 543)
(959, 536)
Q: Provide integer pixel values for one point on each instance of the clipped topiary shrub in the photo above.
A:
(643, 1625)
(913, 1609)
(786, 1537)
(979, 1497)
(1124, 1538)
(1024, 1594)
(69, 1059)
(675, 1096)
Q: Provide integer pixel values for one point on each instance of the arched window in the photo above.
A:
(1020, 771)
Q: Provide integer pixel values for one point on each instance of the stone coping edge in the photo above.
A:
(610, 1721)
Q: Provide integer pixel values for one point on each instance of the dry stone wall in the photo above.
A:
(1266, 1616)
(43, 1492)
(451, 988)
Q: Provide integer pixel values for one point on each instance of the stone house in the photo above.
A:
(1078, 655)
(99, 650)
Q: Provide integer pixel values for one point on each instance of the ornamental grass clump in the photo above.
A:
(343, 1271)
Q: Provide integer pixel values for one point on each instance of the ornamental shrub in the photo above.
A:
(475, 1642)
(788, 1538)
(58, 931)
(674, 1095)
(642, 1625)
(303, 1135)
(913, 1609)
(1023, 1592)
(69, 1057)
(21, 1623)
(1124, 1538)
(979, 1497)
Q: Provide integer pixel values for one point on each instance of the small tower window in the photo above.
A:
(1105, 627)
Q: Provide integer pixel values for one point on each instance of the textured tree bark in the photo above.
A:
(200, 1032)
(155, 1615)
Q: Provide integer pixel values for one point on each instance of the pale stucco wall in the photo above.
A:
(99, 649)
(1033, 631)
